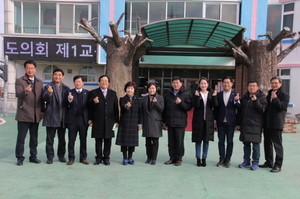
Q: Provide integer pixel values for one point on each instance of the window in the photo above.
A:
(88, 74)
(284, 74)
(274, 19)
(48, 72)
(150, 12)
(288, 15)
(53, 18)
(280, 16)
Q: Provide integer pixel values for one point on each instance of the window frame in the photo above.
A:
(57, 21)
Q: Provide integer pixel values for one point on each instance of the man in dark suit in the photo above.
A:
(105, 114)
(56, 97)
(29, 91)
(78, 119)
(178, 101)
(278, 101)
(226, 118)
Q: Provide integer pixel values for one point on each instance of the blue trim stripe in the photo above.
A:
(246, 17)
(261, 23)
(119, 9)
(288, 41)
(104, 25)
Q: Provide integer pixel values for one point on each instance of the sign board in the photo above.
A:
(44, 49)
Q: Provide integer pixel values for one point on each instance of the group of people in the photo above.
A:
(76, 109)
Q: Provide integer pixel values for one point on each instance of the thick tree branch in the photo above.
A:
(115, 34)
(277, 39)
(287, 51)
(84, 24)
(238, 53)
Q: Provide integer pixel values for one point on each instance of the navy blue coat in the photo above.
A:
(230, 111)
(72, 108)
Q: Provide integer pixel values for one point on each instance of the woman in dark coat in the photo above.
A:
(130, 123)
(204, 100)
(152, 108)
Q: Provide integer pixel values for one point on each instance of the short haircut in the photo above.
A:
(203, 78)
(276, 77)
(130, 84)
(58, 70)
(252, 81)
(29, 62)
(104, 76)
(150, 84)
(227, 77)
(176, 78)
(77, 77)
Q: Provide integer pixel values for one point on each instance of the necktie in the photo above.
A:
(78, 91)
(104, 93)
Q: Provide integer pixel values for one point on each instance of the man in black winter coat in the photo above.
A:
(251, 117)
(177, 102)
(274, 121)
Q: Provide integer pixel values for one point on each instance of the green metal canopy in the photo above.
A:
(191, 37)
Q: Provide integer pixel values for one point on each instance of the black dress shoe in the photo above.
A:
(49, 161)
(148, 161)
(153, 162)
(265, 165)
(37, 161)
(97, 162)
(275, 169)
(220, 163)
(169, 161)
(198, 162)
(106, 162)
(227, 164)
(203, 163)
(62, 159)
(20, 162)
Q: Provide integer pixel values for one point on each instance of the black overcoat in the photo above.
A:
(251, 117)
(175, 115)
(104, 114)
(152, 118)
(128, 134)
(198, 117)
(276, 109)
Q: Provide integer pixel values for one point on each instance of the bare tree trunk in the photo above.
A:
(118, 72)
(263, 63)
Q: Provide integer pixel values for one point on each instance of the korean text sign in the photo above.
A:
(44, 49)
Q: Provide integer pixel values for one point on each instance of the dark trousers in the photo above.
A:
(152, 147)
(61, 149)
(176, 143)
(23, 128)
(273, 138)
(105, 153)
(81, 127)
(225, 131)
(127, 151)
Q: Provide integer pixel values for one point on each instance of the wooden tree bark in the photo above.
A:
(260, 56)
(263, 63)
(120, 52)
